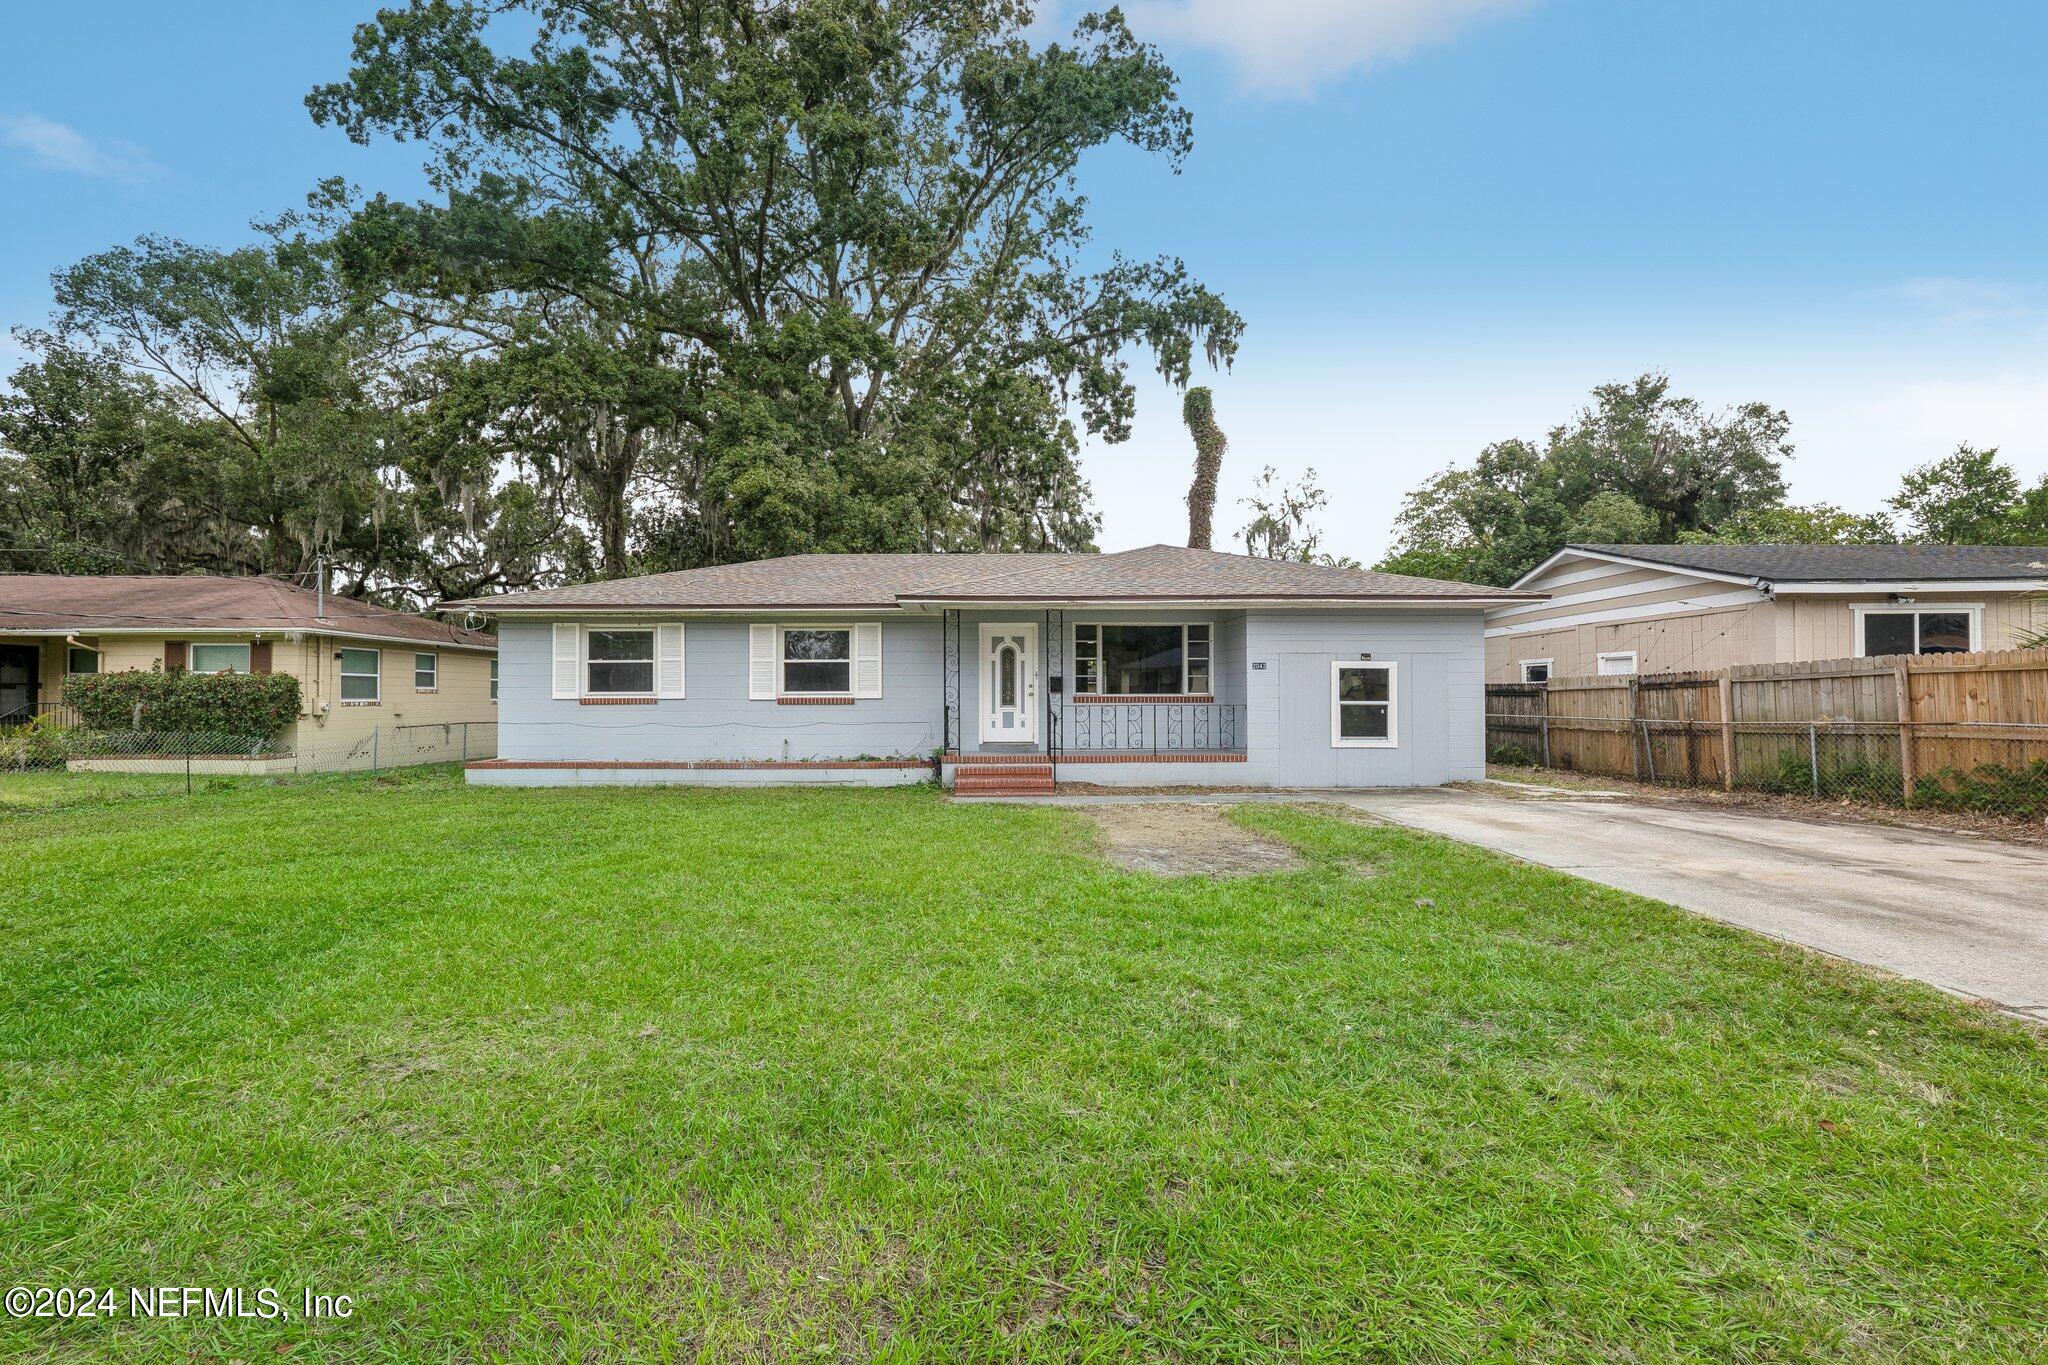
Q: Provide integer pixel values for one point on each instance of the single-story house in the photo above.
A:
(1671, 608)
(367, 675)
(1159, 665)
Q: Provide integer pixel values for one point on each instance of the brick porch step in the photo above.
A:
(1003, 779)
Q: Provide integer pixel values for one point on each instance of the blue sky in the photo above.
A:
(1444, 220)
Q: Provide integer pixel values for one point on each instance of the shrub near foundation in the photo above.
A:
(252, 704)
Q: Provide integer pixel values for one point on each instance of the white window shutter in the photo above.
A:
(867, 659)
(761, 663)
(668, 660)
(568, 660)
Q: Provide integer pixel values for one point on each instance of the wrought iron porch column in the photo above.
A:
(949, 669)
(1055, 665)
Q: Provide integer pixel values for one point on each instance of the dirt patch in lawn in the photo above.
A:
(1174, 840)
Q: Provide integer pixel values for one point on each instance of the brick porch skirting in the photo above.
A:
(978, 759)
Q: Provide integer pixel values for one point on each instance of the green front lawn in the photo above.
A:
(762, 1075)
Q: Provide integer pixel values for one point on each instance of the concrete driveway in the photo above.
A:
(1968, 915)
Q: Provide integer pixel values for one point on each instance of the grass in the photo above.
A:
(38, 792)
(811, 1074)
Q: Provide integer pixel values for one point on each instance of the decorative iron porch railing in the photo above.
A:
(1148, 727)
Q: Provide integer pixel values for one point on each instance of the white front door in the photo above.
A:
(1009, 684)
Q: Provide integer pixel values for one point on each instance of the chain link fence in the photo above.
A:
(47, 746)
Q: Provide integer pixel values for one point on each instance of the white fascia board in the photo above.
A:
(926, 605)
(1591, 595)
(1636, 563)
(1223, 603)
(1710, 602)
(1888, 586)
(568, 613)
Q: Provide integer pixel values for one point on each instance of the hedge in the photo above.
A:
(253, 704)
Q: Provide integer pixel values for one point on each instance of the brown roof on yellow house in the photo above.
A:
(1154, 573)
(75, 604)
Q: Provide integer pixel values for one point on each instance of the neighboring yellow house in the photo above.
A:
(1619, 609)
(375, 685)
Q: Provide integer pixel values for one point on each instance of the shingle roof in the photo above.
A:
(1172, 571)
(790, 581)
(79, 604)
(1157, 572)
(1845, 563)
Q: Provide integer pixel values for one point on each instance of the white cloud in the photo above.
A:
(1963, 301)
(53, 146)
(1289, 47)
(2008, 410)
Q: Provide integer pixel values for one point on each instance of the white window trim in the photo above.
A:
(1635, 663)
(782, 659)
(1393, 738)
(1975, 611)
(651, 631)
(494, 680)
(339, 674)
(192, 651)
(1074, 653)
(1527, 664)
(433, 668)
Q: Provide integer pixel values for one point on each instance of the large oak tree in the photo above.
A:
(776, 276)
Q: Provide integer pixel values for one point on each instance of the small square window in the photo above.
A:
(1362, 703)
(1888, 632)
(426, 672)
(620, 663)
(1536, 670)
(817, 662)
(1944, 632)
(360, 674)
(81, 660)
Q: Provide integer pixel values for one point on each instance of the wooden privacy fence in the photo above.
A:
(1965, 730)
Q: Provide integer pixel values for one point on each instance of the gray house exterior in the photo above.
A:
(1160, 666)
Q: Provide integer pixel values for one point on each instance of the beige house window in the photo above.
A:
(360, 675)
(219, 658)
(1946, 629)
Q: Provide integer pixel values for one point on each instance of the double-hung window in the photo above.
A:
(1918, 630)
(359, 674)
(494, 677)
(1362, 701)
(219, 659)
(1141, 660)
(817, 661)
(618, 663)
(426, 672)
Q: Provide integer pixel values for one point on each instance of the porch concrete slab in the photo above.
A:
(1969, 915)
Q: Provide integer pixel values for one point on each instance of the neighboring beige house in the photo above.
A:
(373, 682)
(1670, 608)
